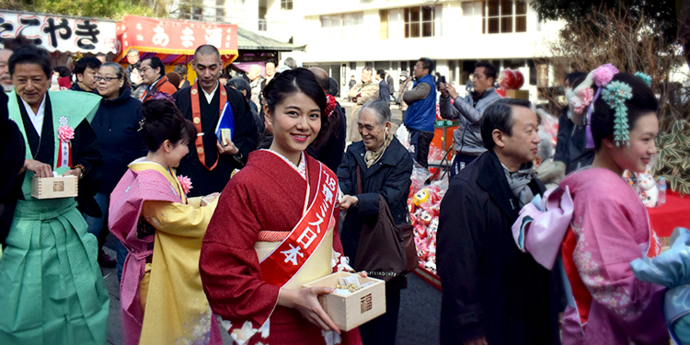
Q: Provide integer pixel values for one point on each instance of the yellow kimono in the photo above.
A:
(163, 301)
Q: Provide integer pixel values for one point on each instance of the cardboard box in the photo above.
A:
(518, 94)
(54, 187)
(350, 311)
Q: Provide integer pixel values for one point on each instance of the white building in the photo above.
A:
(343, 36)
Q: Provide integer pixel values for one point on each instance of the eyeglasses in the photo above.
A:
(98, 78)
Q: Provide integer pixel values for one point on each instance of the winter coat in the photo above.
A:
(75, 87)
(367, 92)
(551, 173)
(404, 86)
(116, 124)
(391, 82)
(571, 145)
(384, 92)
(490, 288)
(468, 137)
(330, 152)
(390, 177)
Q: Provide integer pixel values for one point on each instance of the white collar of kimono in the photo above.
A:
(209, 96)
(301, 168)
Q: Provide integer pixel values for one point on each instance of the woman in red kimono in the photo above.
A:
(274, 229)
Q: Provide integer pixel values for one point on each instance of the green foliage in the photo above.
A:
(659, 12)
(106, 9)
(633, 42)
(673, 146)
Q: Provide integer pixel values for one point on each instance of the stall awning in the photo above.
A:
(248, 40)
(58, 33)
(174, 41)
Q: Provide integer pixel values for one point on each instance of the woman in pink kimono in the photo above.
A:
(161, 296)
(598, 222)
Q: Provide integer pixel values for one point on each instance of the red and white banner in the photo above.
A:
(289, 257)
(60, 33)
(174, 37)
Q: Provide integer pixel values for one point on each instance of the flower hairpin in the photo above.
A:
(583, 97)
(647, 79)
(330, 105)
(615, 94)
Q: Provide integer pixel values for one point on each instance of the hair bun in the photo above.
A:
(156, 109)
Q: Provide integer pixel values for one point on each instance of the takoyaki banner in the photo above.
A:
(60, 33)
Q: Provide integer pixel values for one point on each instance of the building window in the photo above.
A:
(286, 4)
(504, 16)
(342, 27)
(419, 21)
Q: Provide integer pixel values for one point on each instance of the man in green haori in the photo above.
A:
(51, 287)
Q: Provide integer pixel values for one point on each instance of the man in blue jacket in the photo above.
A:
(421, 114)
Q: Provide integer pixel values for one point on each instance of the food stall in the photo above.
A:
(60, 35)
(174, 41)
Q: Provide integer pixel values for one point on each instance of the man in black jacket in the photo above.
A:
(384, 89)
(209, 162)
(492, 292)
(571, 148)
(85, 70)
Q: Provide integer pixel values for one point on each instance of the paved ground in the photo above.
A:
(420, 304)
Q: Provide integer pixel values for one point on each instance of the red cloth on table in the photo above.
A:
(674, 213)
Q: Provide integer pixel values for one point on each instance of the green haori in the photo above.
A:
(75, 106)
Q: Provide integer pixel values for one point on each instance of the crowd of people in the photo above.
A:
(219, 234)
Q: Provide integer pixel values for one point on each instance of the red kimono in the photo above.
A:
(261, 202)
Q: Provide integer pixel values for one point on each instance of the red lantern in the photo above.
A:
(507, 79)
(519, 79)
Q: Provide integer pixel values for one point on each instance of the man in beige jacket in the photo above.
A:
(362, 92)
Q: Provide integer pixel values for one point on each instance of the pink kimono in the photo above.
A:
(602, 227)
(174, 287)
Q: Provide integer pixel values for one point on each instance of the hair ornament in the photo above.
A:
(615, 95)
(603, 74)
(141, 124)
(647, 79)
(330, 105)
(163, 95)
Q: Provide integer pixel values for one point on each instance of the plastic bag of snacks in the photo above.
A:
(549, 123)
(424, 206)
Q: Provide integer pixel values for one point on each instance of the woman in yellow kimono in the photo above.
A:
(161, 295)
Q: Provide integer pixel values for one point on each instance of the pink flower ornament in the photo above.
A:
(185, 183)
(583, 99)
(604, 74)
(65, 133)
